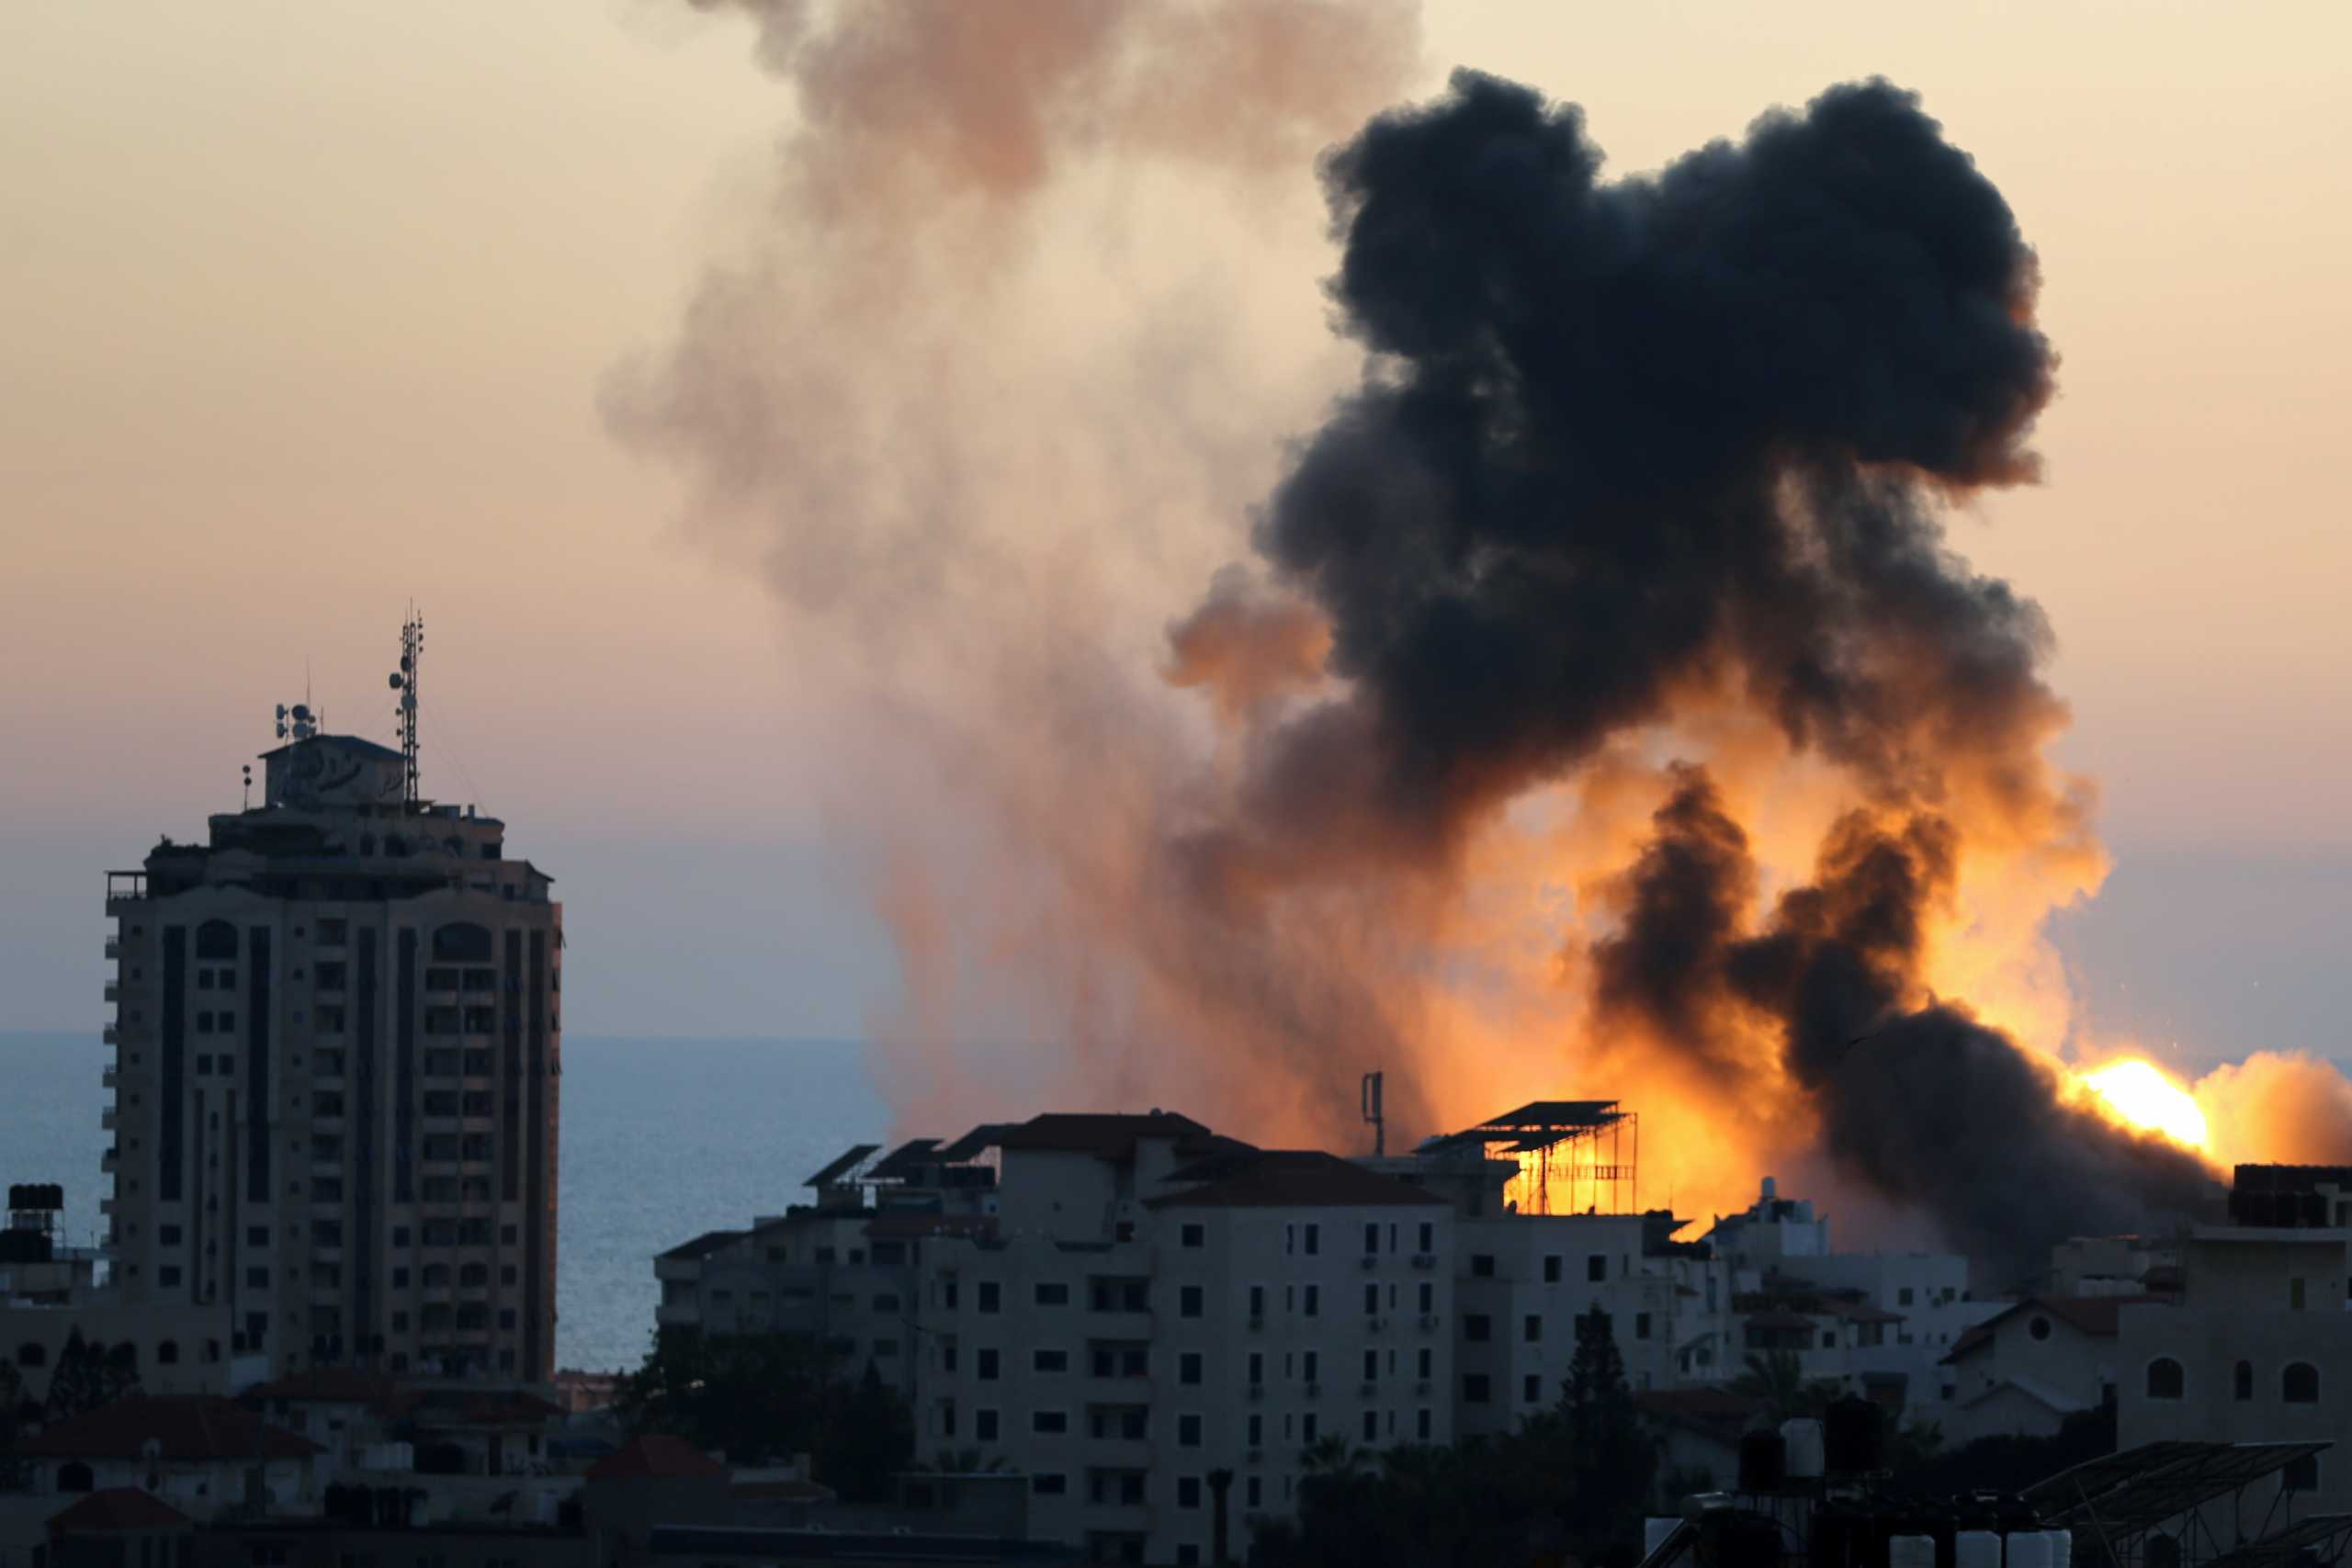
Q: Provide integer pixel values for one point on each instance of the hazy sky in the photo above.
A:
(303, 310)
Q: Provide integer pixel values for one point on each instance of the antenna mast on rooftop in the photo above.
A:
(1376, 1114)
(404, 681)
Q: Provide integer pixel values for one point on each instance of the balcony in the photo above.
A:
(107, 1035)
(106, 1119)
(125, 891)
(114, 948)
(107, 1079)
(109, 1162)
(113, 991)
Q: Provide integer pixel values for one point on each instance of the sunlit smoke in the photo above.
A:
(1585, 703)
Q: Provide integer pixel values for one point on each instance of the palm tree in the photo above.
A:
(1333, 1454)
(1776, 1377)
(965, 1461)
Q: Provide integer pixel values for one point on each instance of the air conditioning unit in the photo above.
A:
(1378, 1324)
(1369, 1390)
(1256, 1391)
(1369, 1263)
(1420, 1388)
(1424, 1260)
(1429, 1321)
(1315, 1391)
(1256, 1323)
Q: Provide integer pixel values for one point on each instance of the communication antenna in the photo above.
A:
(248, 786)
(404, 681)
(1374, 1114)
(296, 723)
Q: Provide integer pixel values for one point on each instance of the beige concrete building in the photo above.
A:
(334, 1065)
(2258, 1347)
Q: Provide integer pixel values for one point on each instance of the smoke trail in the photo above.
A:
(992, 367)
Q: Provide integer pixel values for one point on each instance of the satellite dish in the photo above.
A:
(281, 713)
(396, 683)
(302, 712)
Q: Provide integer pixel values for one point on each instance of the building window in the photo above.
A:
(1256, 1493)
(1257, 1368)
(1188, 1367)
(1049, 1423)
(2166, 1380)
(1371, 1300)
(1257, 1301)
(992, 1296)
(1191, 1235)
(1372, 1237)
(1047, 1294)
(1478, 1327)
(2302, 1474)
(2242, 1381)
(1532, 1329)
(1188, 1301)
(1476, 1389)
(1595, 1267)
(1429, 1298)
(1421, 1425)
(1314, 1297)
(1371, 1426)
(1049, 1484)
(2299, 1384)
(984, 1426)
(986, 1368)
(1531, 1389)
(1428, 1237)
(1188, 1431)
(1314, 1239)
(1257, 1431)
(1482, 1265)
(1902, 1296)
(1188, 1491)
(1049, 1361)
(2295, 1295)
(1552, 1268)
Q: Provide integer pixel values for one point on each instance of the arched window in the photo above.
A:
(216, 938)
(463, 943)
(2299, 1384)
(2244, 1381)
(2166, 1380)
(167, 1352)
(30, 1354)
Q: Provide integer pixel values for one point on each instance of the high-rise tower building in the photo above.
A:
(335, 1069)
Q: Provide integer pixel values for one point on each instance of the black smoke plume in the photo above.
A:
(1931, 1107)
(1629, 451)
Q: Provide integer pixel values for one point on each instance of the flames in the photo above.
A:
(2139, 1095)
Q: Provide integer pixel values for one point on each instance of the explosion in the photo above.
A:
(1595, 707)
(2138, 1094)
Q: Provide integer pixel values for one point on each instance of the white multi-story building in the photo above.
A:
(1874, 1322)
(334, 1064)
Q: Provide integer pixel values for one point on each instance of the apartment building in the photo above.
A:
(2258, 1346)
(1160, 1309)
(334, 1065)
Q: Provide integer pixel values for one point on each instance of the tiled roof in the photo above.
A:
(1300, 1178)
(117, 1508)
(188, 1429)
(327, 1385)
(1108, 1136)
(2093, 1315)
(654, 1455)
